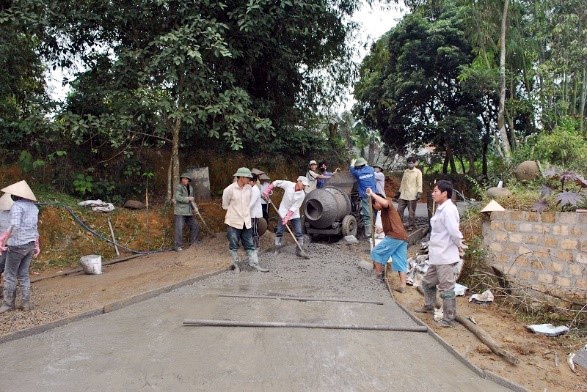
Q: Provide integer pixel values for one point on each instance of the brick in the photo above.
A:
(518, 215)
(496, 225)
(501, 236)
(500, 216)
(557, 266)
(526, 227)
(548, 217)
(516, 238)
(581, 283)
(569, 243)
(550, 241)
(496, 247)
(512, 271)
(577, 269)
(583, 247)
(564, 255)
(545, 278)
(532, 239)
(527, 276)
(560, 230)
(562, 281)
(522, 261)
(582, 218)
(581, 258)
(577, 230)
(533, 217)
(523, 250)
(567, 218)
(509, 226)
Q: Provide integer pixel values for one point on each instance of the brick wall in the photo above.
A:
(546, 251)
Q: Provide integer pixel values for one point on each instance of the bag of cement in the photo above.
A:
(92, 264)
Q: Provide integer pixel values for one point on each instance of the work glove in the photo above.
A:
(190, 199)
(353, 162)
(3, 238)
(267, 192)
(418, 195)
(287, 217)
(37, 248)
(462, 248)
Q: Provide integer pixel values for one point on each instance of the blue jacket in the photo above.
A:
(365, 176)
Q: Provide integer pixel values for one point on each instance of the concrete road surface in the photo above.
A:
(145, 347)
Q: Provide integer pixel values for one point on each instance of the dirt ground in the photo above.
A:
(61, 294)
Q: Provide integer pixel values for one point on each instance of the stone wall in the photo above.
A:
(546, 251)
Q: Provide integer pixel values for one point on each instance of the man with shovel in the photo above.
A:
(236, 200)
(184, 204)
(289, 211)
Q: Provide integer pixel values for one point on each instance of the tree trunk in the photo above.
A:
(582, 104)
(502, 86)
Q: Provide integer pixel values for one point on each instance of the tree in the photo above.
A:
(415, 97)
(248, 73)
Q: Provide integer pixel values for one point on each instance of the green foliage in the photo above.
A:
(410, 89)
(26, 162)
(83, 184)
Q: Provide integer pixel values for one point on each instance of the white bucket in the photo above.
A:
(92, 264)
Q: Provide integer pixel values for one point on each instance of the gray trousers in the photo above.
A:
(190, 221)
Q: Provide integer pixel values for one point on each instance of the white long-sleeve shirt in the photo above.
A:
(255, 205)
(445, 236)
(292, 200)
(236, 201)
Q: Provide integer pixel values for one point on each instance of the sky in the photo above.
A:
(374, 23)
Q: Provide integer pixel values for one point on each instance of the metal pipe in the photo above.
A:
(273, 324)
(302, 299)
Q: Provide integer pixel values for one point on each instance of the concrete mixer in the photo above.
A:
(334, 209)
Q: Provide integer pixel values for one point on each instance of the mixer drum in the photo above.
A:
(325, 206)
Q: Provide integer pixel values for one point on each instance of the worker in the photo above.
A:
(184, 212)
(265, 182)
(5, 204)
(395, 243)
(409, 192)
(445, 249)
(325, 175)
(379, 179)
(289, 209)
(365, 176)
(256, 209)
(21, 243)
(313, 176)
(236, 200)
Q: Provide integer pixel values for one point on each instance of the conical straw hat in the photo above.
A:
(493, 206)
(21, 189)
(5, 202)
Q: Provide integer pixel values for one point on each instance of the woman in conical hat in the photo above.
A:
(20, 242)
(5, 204)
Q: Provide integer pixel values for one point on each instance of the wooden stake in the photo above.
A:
(113, 238)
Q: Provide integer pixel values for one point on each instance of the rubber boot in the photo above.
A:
(235, 260)
(26, 299)
(9, 299)
(449, 311)
(277, 245)
(254, 261)
(299, 248)
(429, 300)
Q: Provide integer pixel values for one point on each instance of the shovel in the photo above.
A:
(302, 253)
(197, 212)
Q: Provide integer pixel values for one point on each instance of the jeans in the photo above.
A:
(18, 262)
(244, 235)
(180, 220)
(296, 223)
